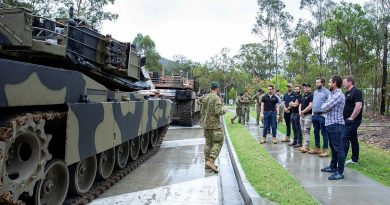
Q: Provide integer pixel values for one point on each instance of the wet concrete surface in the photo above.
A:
(354, 189)
(177, 175)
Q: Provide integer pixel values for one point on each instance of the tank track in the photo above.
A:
(186, 115)
(99, 187)
(6, 135)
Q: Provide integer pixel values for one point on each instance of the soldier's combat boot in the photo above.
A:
(211, 165)
(206, 167)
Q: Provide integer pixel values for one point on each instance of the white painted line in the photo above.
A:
(180, 143)
(198, 191)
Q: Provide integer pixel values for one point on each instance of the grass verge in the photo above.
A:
(269, 178)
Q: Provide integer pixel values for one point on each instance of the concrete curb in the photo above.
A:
(248, 193)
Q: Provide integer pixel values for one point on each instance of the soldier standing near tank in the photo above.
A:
(257, 99)
(238, 110)
(213, 134)
(245, 100)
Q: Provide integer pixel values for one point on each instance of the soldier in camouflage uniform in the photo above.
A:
(213, 134)
(238, 110)
(245, 100)
(257, 99)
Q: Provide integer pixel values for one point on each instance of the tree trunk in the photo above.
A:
(384, 69)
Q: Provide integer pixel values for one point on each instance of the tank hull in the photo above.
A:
(73, 117)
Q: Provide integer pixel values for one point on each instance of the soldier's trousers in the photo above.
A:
(214, 142)
(258, 109)
(238, 114)
(245, 113)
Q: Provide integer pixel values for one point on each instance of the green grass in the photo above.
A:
(373, 162)
(265, 174)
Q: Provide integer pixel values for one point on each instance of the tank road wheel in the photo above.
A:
(122, 155)
(24, 154)
(82, 174)
(144, 143)
(106, 163)
(134, 148)
(153, 138)
(53, 189)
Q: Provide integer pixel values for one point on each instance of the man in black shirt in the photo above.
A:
(287, 98)
(295, 118)
(353, 110)
(270, 113)
(305, 111)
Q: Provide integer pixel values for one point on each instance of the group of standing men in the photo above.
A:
(335, 115)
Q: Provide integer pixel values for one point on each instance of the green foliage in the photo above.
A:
(93, 11)
(281, 83)
(148, 48)
(232, 93)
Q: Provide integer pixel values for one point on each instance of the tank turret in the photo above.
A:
(70, 43)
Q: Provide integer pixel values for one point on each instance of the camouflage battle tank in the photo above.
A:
(183, 92)
(71, 110)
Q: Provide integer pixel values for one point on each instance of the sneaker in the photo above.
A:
(297, 145)
(328, 169)
(274, 140)
(350, 162)
(292, 144)
(262, 141)
(336, 176)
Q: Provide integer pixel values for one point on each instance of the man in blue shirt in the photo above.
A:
(318, 119)
(334, 122)
(287, 98)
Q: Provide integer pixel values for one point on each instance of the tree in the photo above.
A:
(320, 10)
(148, 48)
(273, 21)
(353, 33)
(232, 93)
(253, 59)
(92, 10)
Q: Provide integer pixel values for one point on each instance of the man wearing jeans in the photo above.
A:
(287, 98)
(270, 114)
(334, 122)
(318, 119)
(295, 118)
(353, 117)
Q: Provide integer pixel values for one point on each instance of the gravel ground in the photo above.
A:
(377, 136)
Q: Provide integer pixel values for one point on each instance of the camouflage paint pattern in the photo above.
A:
(91, 127)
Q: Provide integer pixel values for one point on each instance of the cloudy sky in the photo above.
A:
(198, 29)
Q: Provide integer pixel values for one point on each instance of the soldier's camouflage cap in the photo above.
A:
(214, 85)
